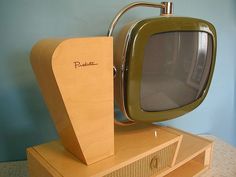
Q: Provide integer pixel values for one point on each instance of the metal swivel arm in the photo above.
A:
(166, 9)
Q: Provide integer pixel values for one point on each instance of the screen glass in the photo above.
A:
(175, 70)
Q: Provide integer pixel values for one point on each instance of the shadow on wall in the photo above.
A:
(24, 119)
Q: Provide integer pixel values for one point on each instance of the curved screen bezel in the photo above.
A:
(134, 61)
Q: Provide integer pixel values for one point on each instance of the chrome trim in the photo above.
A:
(168, 10)
(114, 72)
(165, 6)
(123, 69)
(127, 123)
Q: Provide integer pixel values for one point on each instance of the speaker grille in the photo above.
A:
(149, 165)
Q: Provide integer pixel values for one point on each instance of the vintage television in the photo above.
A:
(164, 66)
(162, 69)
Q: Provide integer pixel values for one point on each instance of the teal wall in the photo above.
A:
(24, 118)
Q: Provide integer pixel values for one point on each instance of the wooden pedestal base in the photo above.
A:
(76, 79)
(139, 152)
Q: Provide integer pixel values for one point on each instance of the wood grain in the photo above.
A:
(76, 79)
(133, 144)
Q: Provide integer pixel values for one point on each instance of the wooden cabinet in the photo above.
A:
(139, 152)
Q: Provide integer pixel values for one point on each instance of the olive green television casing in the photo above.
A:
(129, 59)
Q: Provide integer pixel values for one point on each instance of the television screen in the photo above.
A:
(164, 67)
(175, 69)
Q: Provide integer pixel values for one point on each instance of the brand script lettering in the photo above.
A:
(78, 64)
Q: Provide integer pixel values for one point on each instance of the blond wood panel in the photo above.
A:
(208, 155)
(76, 79)
(134, 145)
(131, 145)
(190, 145)
(190, 169)
(37, 166)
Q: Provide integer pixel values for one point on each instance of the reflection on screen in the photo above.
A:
(176, 66)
